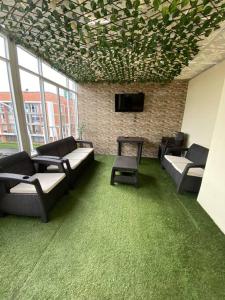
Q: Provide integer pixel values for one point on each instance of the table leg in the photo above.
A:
(136, 175)
(119, 149)
(139, 152)
(112, 176)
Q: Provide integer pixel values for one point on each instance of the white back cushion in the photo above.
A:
(73, 164)
(83, 150)
(76, 155)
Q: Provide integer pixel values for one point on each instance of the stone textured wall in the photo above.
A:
(162, 116)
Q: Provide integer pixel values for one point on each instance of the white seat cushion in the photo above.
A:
(47, 180)
(83, 150)
(73, 163)
(76, 155)
(197, 172)
(180, 159)
(75, 158)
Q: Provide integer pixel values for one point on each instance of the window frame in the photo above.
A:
(6, 60)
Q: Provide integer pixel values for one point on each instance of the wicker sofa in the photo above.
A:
(186, 171)
(26, 192)
(76, 157)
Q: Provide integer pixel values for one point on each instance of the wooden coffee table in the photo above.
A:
(125, 170)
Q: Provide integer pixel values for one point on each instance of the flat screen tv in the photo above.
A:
(129, 102)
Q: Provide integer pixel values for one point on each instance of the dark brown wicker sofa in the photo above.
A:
(24, 191)
(187, 171)
(76, 156)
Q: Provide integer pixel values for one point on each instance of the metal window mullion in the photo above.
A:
(77, 114)
(68, 106)
(46, 135)
(4, 59)
(68, 112)
(60, 113)
(18, 96)
(18, 136)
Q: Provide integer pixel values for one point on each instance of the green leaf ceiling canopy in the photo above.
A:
(113, 41)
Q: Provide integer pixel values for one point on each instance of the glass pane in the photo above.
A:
(72, 85)
(64, 108)
(33, 108)
(73, 113)
(2, 47)
(52, 112)
(53, 75)
(27, 60)
(8, 131)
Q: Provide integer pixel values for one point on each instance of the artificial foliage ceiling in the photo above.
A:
(113, 41)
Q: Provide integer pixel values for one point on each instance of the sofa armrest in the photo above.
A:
(171, 150)
(185, 172)
(18, 178)
(53, 160)
(82, 142)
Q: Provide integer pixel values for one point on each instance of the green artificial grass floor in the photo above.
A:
(105, 242)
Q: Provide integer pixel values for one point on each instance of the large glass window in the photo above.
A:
(72, 85)
(2, 47)
(53, 75)
(8, 130)
(27, 60)
(52, 111)
(64, 108)
(33, 108)
(49, 100)
(73, 113)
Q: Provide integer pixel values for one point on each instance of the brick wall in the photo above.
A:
(162, 116)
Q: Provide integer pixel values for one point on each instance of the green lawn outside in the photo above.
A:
(9, 146)
(14, 145)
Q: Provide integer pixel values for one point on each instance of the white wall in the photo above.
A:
(204, 121)
(203, 97)
(212, 193)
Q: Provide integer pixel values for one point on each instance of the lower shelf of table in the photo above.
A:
(132, 179)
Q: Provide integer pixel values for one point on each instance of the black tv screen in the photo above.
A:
(129, 102)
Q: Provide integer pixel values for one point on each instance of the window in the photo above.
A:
(72, 85)
(27, 60)
(33, 108)
(49, 100)
(55, 120)
(8, 130)
(64, 108)
(53, 75)
(73, 113)
(2, 47)
(52, 112)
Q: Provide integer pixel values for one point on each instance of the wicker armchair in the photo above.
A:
(24, 191)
